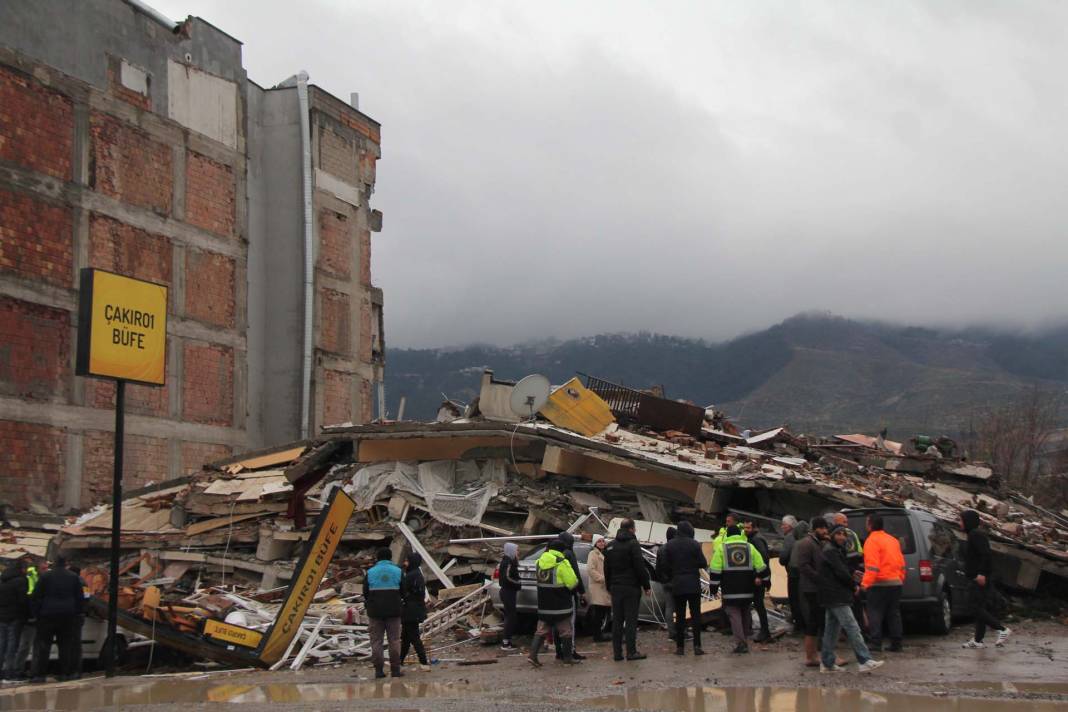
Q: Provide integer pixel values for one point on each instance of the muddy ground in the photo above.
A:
(1029, 673)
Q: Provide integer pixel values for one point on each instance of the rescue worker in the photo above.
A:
(752, 533)
(413, 611)
(855, 560)
(883, 582)
(579, 594)
(730, 520)
(557, 582)
(740, 570)
(29, 630)
(382, 598)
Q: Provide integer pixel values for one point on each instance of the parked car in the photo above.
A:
(651, 609)
(935, 587)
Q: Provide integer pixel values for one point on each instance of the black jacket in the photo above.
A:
(761, 545)
(508, 573)
(569, 553)
(14, 599)
(836, 584)
(624, 564)
(977, 557)
(683, 560)
(413, 591)
(806, 558)
(58, 594)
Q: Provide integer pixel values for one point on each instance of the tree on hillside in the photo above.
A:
(1014, 436)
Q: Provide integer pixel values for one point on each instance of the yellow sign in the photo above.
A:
(122, 328)
(228, 633)
(309, 575)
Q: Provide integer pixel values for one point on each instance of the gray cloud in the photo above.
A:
(700, 169)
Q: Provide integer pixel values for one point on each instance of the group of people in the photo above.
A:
(39, 609)
(395, 603)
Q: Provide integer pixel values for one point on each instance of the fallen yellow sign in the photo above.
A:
(229, 633)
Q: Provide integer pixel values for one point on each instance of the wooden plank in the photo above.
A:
(282, 457)
(314, 460)
(209, 524)
(426, 448)
(427, 559)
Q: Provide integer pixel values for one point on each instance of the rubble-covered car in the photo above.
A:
(935, 588)
(651, 609)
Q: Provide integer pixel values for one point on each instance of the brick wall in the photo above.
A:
(337, 397)
(366, 314)
(35, 350)
(145, 460)
(365, 258)
(209, 293)
(140, 400)
(129, 165)
(32, 463)
(36, 125)
(209, 194)
(335, 333)
(122, 248)
(207, 383)
(196, 455)
(366, 401)
(337, 155)
(335, 244)
(36, 241)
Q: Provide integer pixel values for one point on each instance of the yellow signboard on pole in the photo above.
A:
(122, 328)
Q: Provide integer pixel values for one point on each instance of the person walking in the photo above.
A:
(739, 569)
(600, 599)
(752, 533)
(807, 555)
(627, 576)
(883, 582)
(683, 563)
(579, 594)
(508, 573)
(665, 582)
(793, 531)
(14, 612)
(556, 602)
(413, 610)
(855, 559)
(384, 606)
(837, 588)
(978, 567)
(58, 601)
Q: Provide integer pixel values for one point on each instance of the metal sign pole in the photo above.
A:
(116, 529)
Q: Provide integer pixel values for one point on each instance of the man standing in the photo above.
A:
(578, 594)
(29, 631)
(837, 589)
(14, 611)
(627, 576)
(664, 577)
(383, 603)
(413, 610)
(58, 601)
(884, 579)
(752, 533)
(556, 602)
(793, 531)
(729, 521)
(978, 566)
(855, 559)
(683, 563)
(738, 567)
(808, 555)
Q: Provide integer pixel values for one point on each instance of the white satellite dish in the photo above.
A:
(529, 395)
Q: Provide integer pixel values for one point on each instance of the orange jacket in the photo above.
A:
(883, 561)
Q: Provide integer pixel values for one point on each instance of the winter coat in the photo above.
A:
(736, 564)
(789, 559)
(382, 590)
(413, 591)
(58, 594)
(568, 540)
(14, 599)
(683, 562)
(978, 560)
(807, 555)
(556, 584)
(624, 564)
(508, 573)
(597, 593)
(884, 564)
(835, 582)
(761, 545)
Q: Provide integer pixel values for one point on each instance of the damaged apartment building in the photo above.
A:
(136, 144)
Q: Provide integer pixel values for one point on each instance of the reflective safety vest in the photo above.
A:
(735, 566)
(854, 549)
(555, 579)
(31, 579)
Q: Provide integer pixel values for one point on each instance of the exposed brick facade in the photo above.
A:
(366, 315)
(207, 383)
(366, 401)
(337, 155)
(134, 98)
(35, 350)
(36, 125)
(335, 332)
(209, 194)
(129, 165)
(122, 248)
(209, 296)
(140, 400)
(337, 397)
(32, 463)
(35, 239)
(365, 258)
(145, 460)
(195, 455)
(335, 244)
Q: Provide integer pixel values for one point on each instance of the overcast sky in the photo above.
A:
(702, 169)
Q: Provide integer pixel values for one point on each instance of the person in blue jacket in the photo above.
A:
(384, 604)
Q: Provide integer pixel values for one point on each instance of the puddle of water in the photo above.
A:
(77, 698)
(769, 699)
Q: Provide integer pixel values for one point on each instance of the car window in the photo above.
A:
(896, 525)
(943, 543)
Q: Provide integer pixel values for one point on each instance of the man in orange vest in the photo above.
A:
(884, 579)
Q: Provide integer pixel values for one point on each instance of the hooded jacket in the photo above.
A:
(568, 540)
(413, 591)
(683, 562)
(14, 599)
(508, 569)
(835, 582)
(977, 557)
(624, 565)
(556, 581)
(382, 590)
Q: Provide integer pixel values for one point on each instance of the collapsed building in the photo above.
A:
(225, 543)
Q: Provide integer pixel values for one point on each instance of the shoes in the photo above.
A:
(534, 661)
(379, 674)
(426, 668)
(833, 668)
(698, 651)
(508, 647)
(871, 665)
(1003, 635)
(974, 645)
(680, 650)
(740, 649)
(895, 647)
(636, 656)
(763, 637)
(396, 672)
(577, 655)
(618, 658)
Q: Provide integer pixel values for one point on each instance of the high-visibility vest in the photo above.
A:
(555, 579)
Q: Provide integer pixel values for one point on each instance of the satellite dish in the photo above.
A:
(529, 395)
